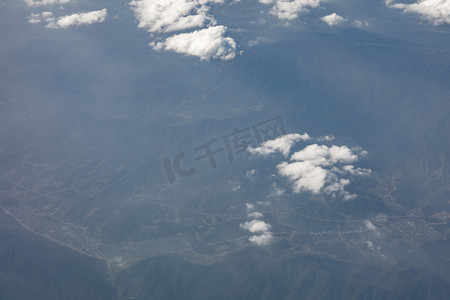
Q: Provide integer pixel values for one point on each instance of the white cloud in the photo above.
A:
(337, 186)
(360, 24)
(250, 173)
(260, 230)
(310, 170)
(255, 226)
(45, 16)
(282, 144)
(88, 18)
(436, 12)
(289, 9)
(257, 41)
(262, 240)
(370, 226)
(316, 168)
(159, 16)
(326, 138)
(324, 155)
(305, 176)
(356, 171)
(333, 19)
(45, 2)
(347, 196)
(255, 215)
(34, 18)
(172, 15)
(206, 44)
(250, 207)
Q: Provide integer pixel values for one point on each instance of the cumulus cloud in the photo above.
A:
(162, 16)
(333, 19)
(324, 155)
(45, 2)
(316, 168)
(255, 226)
(282, 144)
(305, 176)
(260, 230)
(205, 43)
(436, 12)
(289, 9)
(87, 18)
(261, 240)
(172, 15)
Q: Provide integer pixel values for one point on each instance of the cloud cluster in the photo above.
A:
(205, 43)
(436, 12)
(333, 19)
(317, 168)
(164, 16)
(282, 144)
(289, 9)
(260, 230)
